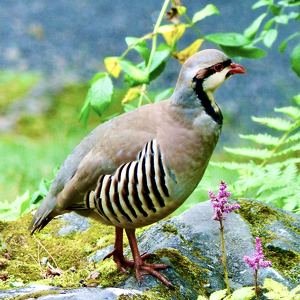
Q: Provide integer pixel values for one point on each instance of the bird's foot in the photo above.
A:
(150, 269)
(123, 261)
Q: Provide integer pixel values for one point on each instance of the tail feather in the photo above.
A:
(43, 215)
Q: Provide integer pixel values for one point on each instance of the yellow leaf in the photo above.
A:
(112, 66)
(172, 33)
(132, 94)
(183, 55)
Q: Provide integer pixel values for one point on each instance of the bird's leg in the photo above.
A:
(118, 256)
(142, 268)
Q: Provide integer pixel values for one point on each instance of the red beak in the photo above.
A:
(236, 69)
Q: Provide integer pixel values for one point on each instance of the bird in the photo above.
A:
(139, 167)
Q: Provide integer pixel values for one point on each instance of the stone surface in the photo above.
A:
(190, 245)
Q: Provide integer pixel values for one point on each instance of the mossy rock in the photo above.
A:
(189, 244)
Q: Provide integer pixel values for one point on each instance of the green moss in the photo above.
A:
(259, 216)
(35, 295)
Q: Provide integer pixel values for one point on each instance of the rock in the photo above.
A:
(190, 244)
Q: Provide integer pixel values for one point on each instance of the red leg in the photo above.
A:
(142, 268)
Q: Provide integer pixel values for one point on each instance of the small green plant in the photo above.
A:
(271, 173)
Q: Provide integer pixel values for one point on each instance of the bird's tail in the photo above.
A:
(43, 215)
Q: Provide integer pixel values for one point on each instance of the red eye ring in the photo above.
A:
(218, 67)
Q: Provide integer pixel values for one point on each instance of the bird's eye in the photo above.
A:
(218, 67)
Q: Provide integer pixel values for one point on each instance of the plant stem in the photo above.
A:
(224, 257)
(154, 43)
(256, 285)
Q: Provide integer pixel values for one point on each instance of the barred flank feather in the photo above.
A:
(137, 189)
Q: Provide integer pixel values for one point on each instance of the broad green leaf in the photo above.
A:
(129, 107)
(141, 47)
(261, 3)
(208, 10)
(244, 51)
(158, 71)
(112, 66)
(297, 99)
(292, 111)
(96, 78)
(161, 53)
(269, 24)
(283, 19)
(282, 46)
(275, 9)
(183, 55)
(247, 151)
(218, 295)
(270, 37)
(164, 95)
(99, 95)
(24, 206)
(137, 75)
(245, 293)
(295, 60)
(251, 31)
(201, 298)
(265, 139)
(274, 286)
(276, 123)
(133, 40)
(228, 39)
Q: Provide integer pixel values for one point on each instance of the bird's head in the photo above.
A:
(204, 72)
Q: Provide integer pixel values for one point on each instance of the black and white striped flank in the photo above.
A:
(136, 190)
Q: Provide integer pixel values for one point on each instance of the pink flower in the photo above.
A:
(257, 261)
(220, 204)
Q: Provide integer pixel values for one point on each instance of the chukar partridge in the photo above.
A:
(139, 167)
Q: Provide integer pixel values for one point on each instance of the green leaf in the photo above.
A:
(297, 99)
(289, 150)
(158, 71)
(251, 31)
(133, 40)
(208, 10)
(137, 75)
(292, 111)
(141, 47)
(270, 37)
(261, 3)
(275, 9)
(161, 53)
(265, 139)
(251, 152)
(85, 111)
(232, 165)
(99, 95)
(276, 123)
(244, 51)
(244, 293)
(218, 295)
(269, 24)
(293, 138)
(295, 60)
(228, 39)
(282, 46)
(283, 19)
(164, 95)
